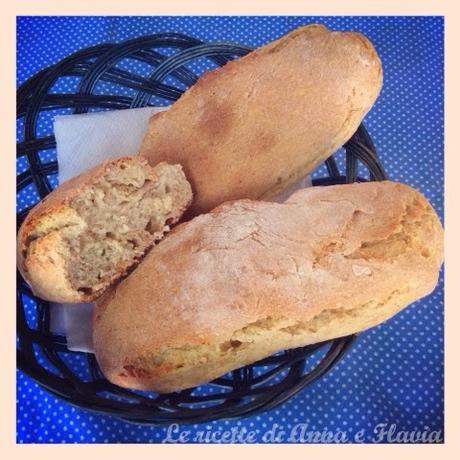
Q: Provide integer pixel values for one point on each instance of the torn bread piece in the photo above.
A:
(252, 278)
(94, 228)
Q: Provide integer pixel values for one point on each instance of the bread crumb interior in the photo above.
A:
(124, 212)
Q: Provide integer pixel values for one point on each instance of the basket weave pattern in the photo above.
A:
(44, 355)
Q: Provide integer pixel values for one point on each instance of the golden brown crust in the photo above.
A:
(40, 244)
(255, 126)
(251, 278)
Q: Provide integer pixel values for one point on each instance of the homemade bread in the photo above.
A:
(92, 229)
(252, 278)
(260, 123)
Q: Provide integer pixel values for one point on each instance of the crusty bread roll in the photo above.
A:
(260, 123)
(92, 229)
(250, 278)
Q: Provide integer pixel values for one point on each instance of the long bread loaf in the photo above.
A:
(252, 278)
(257, 125)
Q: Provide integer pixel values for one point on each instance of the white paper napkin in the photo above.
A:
(84, 141)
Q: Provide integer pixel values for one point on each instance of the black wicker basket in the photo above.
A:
(75, 377)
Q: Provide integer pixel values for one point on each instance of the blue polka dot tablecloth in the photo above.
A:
(389, 385)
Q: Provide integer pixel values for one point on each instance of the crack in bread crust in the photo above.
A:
(246, 341)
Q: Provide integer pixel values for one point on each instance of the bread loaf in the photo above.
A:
(260, 123)
(92, 229)
(251, 278)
